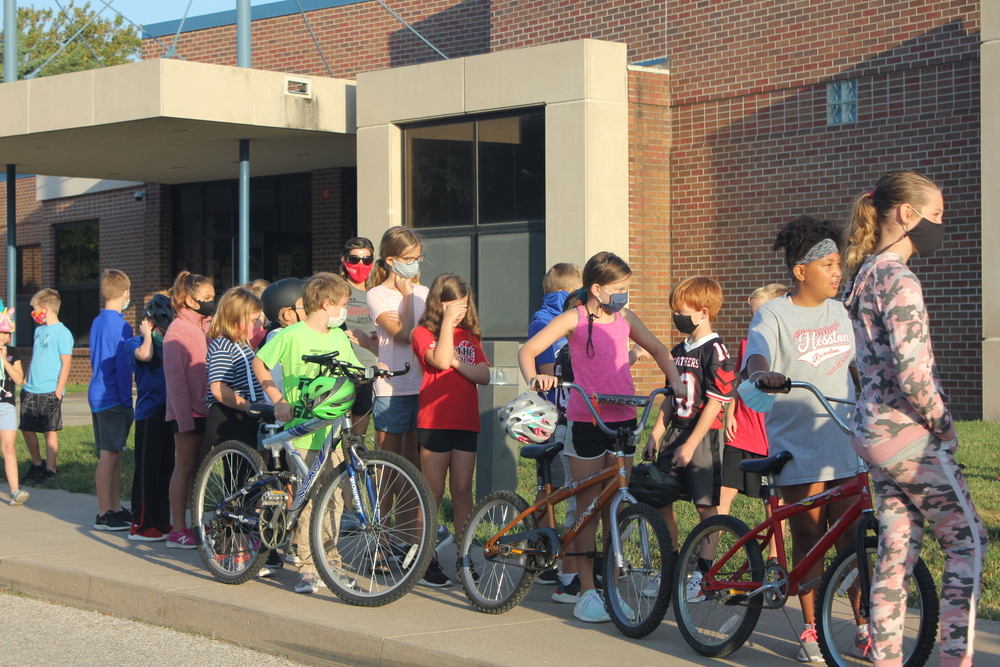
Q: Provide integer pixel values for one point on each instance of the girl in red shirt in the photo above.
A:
(447, 343)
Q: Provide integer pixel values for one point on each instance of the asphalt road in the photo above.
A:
(44, 634)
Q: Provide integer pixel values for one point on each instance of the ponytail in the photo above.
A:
(862, 233)
(185, 285)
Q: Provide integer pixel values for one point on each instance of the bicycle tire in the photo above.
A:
(643, 583)
(497, 584)
(230, 551)
(375, 565)
(836, 624)
(717, 623)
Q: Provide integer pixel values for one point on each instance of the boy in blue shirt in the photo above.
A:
(110, 398)
(42, 394)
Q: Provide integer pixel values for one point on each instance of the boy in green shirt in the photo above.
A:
(324, 297)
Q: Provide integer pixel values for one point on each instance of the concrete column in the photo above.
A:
(496, 458)
(989, 90)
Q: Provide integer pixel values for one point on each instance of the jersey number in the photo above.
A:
(685, 406)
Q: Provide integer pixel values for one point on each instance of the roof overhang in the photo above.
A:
(172, 121)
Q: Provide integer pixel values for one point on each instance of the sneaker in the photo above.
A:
(19, 497)
(628, 611)
(32, 474)
(110, 521)
(182, 539)
(147, 535)
(862, 647)
(47, 476)
(548, 578)
(309, 583)
(435, 576)
(403, 553)
(292, 556)
(809, 649)
(444, 537)
(590, 608)
(568, 594)
(125, 514)
(652, 587)
(694, 593)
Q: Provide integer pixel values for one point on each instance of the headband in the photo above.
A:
(819, 251)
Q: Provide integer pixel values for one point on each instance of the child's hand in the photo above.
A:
(145, 328)
(683, 456)
(649, 453)
(770, 379)
(404, 285)
(453, 314)
(730, 430)
(390, 315)
(680, 389)
(543, 382)
(637, 354)
(283, 411)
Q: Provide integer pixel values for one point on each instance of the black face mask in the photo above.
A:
(205, 308)
(684, 324)
(926, 236)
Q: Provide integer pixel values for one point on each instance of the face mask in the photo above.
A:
(157, 339)
(684, 324)
(408, 271)
(615, 302)
(926, 236)
(38, 316)
(125, 307)
(205, 308)
(358, 272)
(335, 322)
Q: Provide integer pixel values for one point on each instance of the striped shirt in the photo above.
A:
(229, 363)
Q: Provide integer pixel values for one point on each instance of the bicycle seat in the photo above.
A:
(541, 452)
(261, 411)
(772, 465)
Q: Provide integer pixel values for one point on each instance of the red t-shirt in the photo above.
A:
(448, 400)
(750, 433)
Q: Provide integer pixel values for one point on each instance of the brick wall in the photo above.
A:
(751, 148)
(334, 215)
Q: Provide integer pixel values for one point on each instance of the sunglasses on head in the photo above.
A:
(355, 259)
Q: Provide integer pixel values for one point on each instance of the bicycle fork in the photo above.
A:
(867, 522)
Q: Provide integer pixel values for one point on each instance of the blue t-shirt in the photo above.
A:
(111, 373)
(151, 387)
(51, 342)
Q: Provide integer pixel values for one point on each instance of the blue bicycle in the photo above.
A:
(373, 528)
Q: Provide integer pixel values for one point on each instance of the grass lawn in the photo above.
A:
(978, 451)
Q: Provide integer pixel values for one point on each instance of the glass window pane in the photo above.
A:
(440, 184)
(447, 254)
(188, 212)
(511, 267)
(512, 169)
(220, 209)
(29, 270)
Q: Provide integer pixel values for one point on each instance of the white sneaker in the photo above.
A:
(309, 583)
(590, 608)
(652, 587)
(694, 593)
(629, 612)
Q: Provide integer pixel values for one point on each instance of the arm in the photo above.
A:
(478, 373)
(647, 341)
(67, 361)
(561, 326)
(636, 354)
(659, 428)
(757, 369)
(684, 453)
(282, 410)
(145, 350)
(731, 425)
(224, 394)
(176, 362)
(363, 340)
(123, 371)
(14, 371)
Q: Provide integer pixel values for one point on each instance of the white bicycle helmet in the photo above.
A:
(528, 418)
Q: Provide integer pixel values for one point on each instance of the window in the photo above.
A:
(842, 102)
(29, 281)
(78, 277)
(475, 189)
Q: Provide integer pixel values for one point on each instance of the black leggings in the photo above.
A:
(226, 423)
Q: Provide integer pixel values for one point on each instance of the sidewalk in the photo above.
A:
(49, 550)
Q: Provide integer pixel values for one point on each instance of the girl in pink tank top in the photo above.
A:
(598, 330)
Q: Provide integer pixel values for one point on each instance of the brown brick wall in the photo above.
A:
(335, 215)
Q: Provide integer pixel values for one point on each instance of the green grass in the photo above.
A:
(978, 452)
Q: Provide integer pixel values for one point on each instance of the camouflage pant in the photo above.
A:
(928, 487)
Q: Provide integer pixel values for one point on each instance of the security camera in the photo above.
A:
(140, 195)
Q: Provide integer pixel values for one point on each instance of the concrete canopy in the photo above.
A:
(171, 121)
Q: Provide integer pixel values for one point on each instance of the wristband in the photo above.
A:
(754, 374)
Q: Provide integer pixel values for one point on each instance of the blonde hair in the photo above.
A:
(47, 298)
(256, 286)
(601, 269)
(871, 209)
(394, 243)
(320, 287)
(768, 292)
(185, 285)
(562, 277)
(450, 287)
(114, 284)
(235, 308)
(698, 292)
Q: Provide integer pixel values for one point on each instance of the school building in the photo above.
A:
(515, 134)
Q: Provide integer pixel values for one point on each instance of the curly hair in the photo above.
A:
(799, 236)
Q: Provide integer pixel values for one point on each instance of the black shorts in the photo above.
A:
(702, 477)
(590, 442)
(747, 483)
(225, 423)
(199, 426)
(364, 398)
(111, 427)
(40, 413)
(445, 440)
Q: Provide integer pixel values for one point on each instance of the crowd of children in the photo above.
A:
(198, 366)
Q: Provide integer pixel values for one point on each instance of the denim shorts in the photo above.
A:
(395, 414)
(8, 417)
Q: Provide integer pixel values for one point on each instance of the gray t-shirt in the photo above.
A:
(814, 345)
(358, 317)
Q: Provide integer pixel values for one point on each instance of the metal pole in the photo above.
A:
(244, 58)
(10, 74)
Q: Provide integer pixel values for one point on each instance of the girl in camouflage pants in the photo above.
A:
(902, 425)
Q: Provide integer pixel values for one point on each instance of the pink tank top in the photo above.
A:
(604, 371)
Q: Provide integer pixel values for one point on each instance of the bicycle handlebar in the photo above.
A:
(356, 374)
(645, 402)
(824, 401)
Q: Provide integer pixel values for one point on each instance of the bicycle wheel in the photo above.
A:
(836, 624)
(716, 622)
(496, 582)
(638, 593)
(228, 541)
(377, 563)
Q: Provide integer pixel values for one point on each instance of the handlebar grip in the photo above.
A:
(406, 369)
(786, 386)
(321, 358)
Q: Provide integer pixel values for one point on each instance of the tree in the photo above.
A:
(41, 33)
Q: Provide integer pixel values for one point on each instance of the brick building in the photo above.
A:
(682, 138)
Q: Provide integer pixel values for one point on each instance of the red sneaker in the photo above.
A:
(147, 535)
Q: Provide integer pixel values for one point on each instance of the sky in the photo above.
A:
(147, 12)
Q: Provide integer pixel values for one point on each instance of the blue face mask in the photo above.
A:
(615, 303)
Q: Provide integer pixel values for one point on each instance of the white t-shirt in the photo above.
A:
(392, 353)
